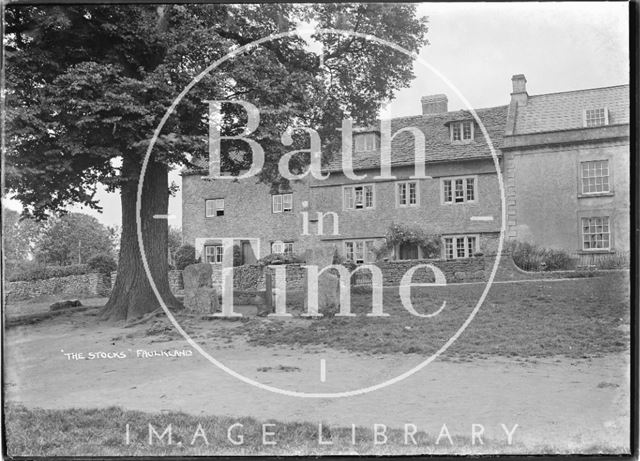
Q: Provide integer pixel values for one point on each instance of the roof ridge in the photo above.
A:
(582, 90)
(442, 114)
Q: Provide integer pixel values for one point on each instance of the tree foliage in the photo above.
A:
(88, 84)
(73, 239)
(20, 237)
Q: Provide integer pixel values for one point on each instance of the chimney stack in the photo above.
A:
(519, 93)
(434, 104)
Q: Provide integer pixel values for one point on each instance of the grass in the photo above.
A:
(578, 318)
(102, 432)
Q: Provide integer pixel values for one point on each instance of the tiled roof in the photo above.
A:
(563, 111)
(438, 146)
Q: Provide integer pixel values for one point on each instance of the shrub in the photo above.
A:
(48, 272)
(530, 257)
(103, 264)
(185, 256)
(280, 258)
(398, 234)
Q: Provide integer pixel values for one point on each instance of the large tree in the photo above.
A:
(87, 86)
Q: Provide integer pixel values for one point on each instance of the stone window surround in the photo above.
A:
(460, 124)
(282, 203)
(595, 213)
(353, 186)
(585, 117)
(466, 245)
(286, 243)
(452, 179)
(364, 136)
(213, 201)
(593, 158)
(397, 190)
(217, 252)
(364, 245)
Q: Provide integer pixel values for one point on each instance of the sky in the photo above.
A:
(477, 47)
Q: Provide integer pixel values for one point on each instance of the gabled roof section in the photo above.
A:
(438, 146)
(564, 111)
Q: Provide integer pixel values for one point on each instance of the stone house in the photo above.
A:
(566, 158)
(458, 200)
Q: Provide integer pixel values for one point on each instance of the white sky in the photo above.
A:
(479, 46)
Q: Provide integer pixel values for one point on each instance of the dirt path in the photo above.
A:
(560, 403)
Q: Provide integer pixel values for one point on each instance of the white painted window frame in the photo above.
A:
(352, 187)
(372, 136)
(215, 206)
(460, 125)
(281, 199)
(355, 242)
(453, 179)
(466, 245)
(609, 233)
(582, 177)
(216, 252)
(398, 185)
(584, 117)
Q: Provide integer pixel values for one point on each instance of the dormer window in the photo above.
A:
(366, 142)
(596, 117)
(461, 131)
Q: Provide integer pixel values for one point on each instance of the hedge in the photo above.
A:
(48, 272)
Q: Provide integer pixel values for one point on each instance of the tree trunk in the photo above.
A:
(132, 295)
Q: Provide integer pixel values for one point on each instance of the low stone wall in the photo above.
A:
(252, 277)
(176, 283)
(70, 286)
(457, 270)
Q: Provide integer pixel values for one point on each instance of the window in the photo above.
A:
(358, 197)
(595, 233)
(595, 176)
(366, 142)
(460, 246)
(407, 194)
(596, 117)
(461, 131)
(214, 207)
(282, 247)
(282, 203)
(459, 190)
(213, 254)
(359, 251)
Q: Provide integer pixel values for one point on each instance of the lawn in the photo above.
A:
(102, 432)
(578, 318)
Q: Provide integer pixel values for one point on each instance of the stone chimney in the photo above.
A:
(434, 104)
(519, 93)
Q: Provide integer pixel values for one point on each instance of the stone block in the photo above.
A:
(328, 294)
(202, 300)
(196, 276)
(65, 305)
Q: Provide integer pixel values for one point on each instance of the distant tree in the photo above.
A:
(20, 236)
(73, 239)
(174, 240)
(103, 264)
(86, 85)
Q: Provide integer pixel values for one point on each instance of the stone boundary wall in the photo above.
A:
(70, 286)
(176, 283)
(251, 277)
(478, 269)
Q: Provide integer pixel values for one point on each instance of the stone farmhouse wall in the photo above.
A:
(72, 285)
